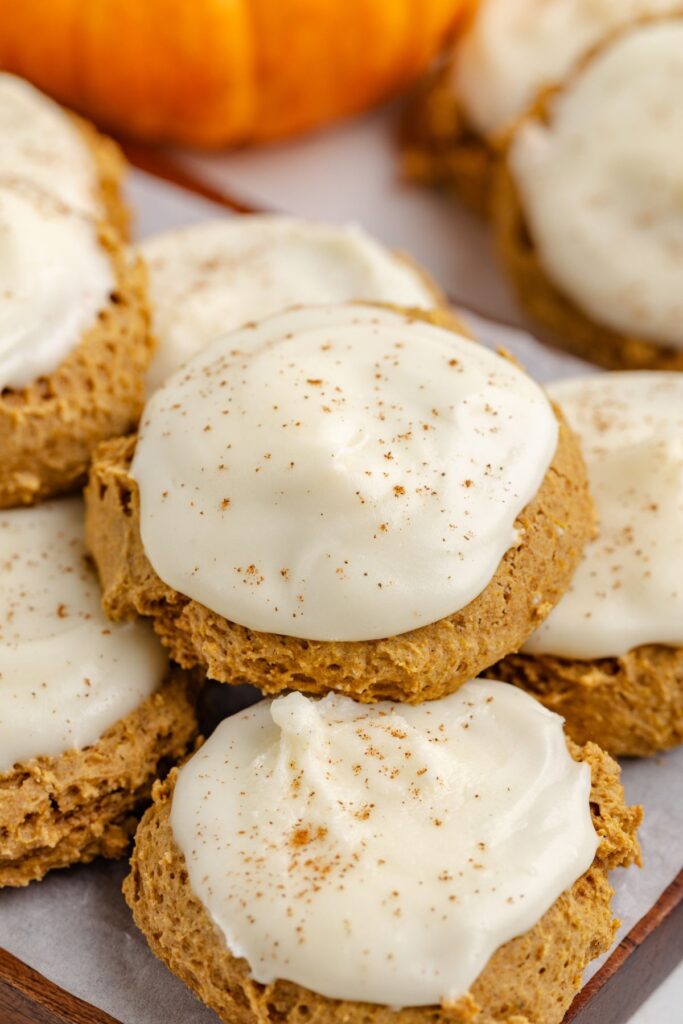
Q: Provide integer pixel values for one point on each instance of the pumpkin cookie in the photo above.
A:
(439, 145)
(214, 277)
(89, 711)
(272, 898)
(609, 657)
(509, 52)
(341, 497)
(587, 220)
(74, 340)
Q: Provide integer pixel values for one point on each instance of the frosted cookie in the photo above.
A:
(89, 710)
(341, 497)
(59, 153)
(212, 278)
(509, 53)
(340, 862)
(609, 657)
(588, 206)
(74, 340)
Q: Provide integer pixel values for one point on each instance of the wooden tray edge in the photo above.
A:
(638, 965)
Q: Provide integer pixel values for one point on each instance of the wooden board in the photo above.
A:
(637, 966)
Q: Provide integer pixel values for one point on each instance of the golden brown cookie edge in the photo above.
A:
(423, 664)
(632, 706)
(49, 428)
(531, 978)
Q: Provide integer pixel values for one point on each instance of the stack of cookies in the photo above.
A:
(90, 711)
(93, 712)
(561, 120)
(359, 509)
(337, 496)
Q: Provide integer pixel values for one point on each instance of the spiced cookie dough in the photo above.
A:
(508, 54)
(90, 712)
(587, 205)
(404, 894)
(609, 658)
(82, 804)
(214, 277)
(74, 338)
(401, 507)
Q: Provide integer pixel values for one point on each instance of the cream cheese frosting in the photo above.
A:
(55, 277)
(382, 853)
(42, 144)
(339, 472)
(211, 278)
(600, 185)
(66, 673)
(628, 589)
(513, 49)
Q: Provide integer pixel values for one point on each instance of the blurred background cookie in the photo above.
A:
(507, 54)
(587, 204)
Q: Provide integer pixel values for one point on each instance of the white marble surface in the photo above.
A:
(105, 960)
(665, 1005)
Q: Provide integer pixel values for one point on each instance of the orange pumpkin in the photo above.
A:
(214, 72)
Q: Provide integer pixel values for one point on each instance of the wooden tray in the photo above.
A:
(638, 965)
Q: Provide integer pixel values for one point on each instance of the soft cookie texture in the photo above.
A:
(440, 147)
(49, 428)
(632, 705)
(423, 664)
(111, 167)
(56, 811)
(529, 980)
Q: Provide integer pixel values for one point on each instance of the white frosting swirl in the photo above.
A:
(383, 853)
(67, 674)
(513, 49)
(41, 144)
(55, 277)
(600, 185)
(628, 590)
(339, 472)
(214, 277)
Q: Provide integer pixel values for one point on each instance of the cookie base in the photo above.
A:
(423, 664)
(56, 811)
(632, 706)
(529, 980)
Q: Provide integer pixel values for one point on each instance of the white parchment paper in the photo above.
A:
(74, 926)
